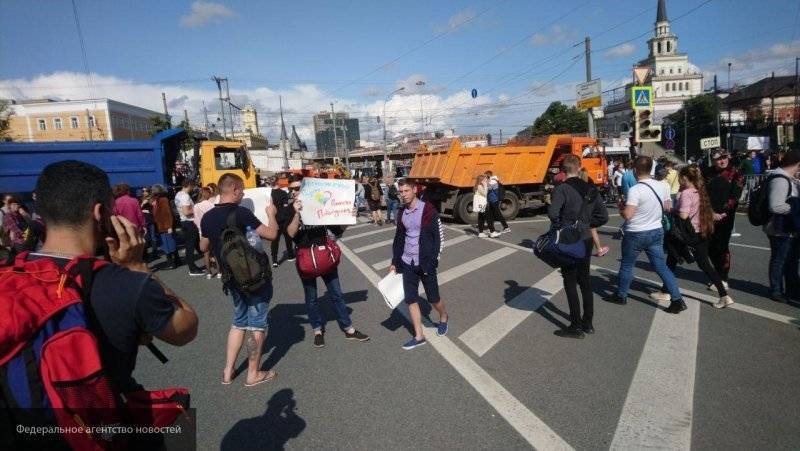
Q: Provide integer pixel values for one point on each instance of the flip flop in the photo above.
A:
(270, 376)
(227, 383)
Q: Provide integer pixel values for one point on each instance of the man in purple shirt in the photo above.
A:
(415, 252)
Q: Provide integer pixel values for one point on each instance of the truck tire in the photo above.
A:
(463, 209)
(509, 207)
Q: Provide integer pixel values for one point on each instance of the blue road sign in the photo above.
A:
(474, 93)
(669, 144)
(669, 133)
(642, 97)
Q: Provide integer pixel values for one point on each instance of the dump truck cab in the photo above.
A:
(226, 157)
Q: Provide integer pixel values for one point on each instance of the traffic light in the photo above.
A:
(645, 130)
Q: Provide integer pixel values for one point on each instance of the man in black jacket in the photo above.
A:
(576, 200)
(283, 204)
(724, 186)
(415, 252)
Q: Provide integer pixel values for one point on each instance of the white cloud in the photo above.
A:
(621, 51)
(204, 13)
(457, 20)
(755, 64)
(456, 110)
(556, 35)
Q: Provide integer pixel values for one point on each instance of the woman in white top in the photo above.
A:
(480, 203)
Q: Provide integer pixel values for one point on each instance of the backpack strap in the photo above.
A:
(660, 202)
(231, 221)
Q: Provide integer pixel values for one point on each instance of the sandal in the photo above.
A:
(270, 375)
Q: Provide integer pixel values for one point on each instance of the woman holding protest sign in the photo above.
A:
(318, 257)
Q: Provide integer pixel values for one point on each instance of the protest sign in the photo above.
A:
(257, 200)
(327, 201)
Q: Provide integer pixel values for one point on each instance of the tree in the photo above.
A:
(559, 118)
(702, 122)
(159, 124)
(5, 123)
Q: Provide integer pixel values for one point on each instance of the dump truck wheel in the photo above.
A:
(509, 207)
(463, 210)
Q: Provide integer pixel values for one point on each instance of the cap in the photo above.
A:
(721, 153)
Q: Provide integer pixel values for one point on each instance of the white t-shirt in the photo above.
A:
(183, 199)
(648, 210)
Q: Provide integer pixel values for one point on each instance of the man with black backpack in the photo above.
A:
(573, 201)
(71, 325)
(779, 201)
(246, 274)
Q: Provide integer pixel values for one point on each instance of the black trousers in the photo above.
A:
(282, 230)
(578, 276)
(704, 262)
(493, 210)
(191, 237)
(719, 246)
(483, 221)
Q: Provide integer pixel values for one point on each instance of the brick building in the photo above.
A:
(78, 120)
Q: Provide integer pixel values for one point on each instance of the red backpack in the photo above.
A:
(51, 373)
(317, 260)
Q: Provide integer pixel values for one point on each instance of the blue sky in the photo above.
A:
(517, 53)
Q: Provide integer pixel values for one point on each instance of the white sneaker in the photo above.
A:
(494, 234)
(712, 287)
(208, 276)
(660, 296)
(507, 230)
(483, 235)
(723, 302)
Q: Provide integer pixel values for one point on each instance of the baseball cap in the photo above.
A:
(721, 153)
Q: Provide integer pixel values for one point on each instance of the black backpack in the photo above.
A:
(243, 267)
(393, 192)
(758, 207)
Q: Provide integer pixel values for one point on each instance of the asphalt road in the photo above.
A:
(704, 379)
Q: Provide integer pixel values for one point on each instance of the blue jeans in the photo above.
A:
(652, 243)
(334, 292)
(391, 210)
(250, 312)
(783, 265)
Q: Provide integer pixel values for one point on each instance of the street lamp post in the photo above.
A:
(421, 111)
(730, 122)
(385, 151)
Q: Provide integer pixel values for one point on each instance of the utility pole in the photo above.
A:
(333, 121)
(730, 122)
(228, 99)
(685, 131)
(218, 80)
(166, 113)
(421, 110)
(588, 47)
(346, 144)
(186, 116)
(205, 115)
(795, 119)
(716, 113)
(501, 136)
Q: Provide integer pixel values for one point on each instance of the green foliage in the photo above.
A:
(559, 118)
(701, 123)
(159, 124)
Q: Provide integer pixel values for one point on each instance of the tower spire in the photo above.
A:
(284, 136)
(661, 15)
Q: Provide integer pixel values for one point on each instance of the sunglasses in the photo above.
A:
(294, 188)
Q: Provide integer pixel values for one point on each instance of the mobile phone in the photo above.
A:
(106, 227)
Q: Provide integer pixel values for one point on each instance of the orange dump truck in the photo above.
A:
(525, 171)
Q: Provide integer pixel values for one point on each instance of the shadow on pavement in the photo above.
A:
(547, 309)
(271, 431)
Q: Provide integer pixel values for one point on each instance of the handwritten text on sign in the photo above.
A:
(327, 201)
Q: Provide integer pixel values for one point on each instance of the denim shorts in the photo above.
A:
(250, 312)
(412, 275)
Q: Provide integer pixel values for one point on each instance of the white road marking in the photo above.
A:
(526, 423)
(492, 240)
(709, 299)
(524, 221)
(489, 331)
(750, 246)
(472, 265)
(659, 407)
(373, 246)
(385, 263)
(371, 232)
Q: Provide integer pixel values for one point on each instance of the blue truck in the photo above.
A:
(137, 163)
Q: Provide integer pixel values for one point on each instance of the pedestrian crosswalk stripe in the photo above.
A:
(484, 335)
(369, 247)
(371, 232)
(452, 242)
(472, 265)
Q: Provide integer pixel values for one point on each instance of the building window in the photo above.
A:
(73, 122)
(679, 70)
(42, 124)
(667, 87)
(673, 86)
(659, 47)
(57, 123)
(91, 121)
(670, 70)
(669, 46)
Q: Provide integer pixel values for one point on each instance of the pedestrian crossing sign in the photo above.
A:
(642, 97)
